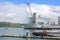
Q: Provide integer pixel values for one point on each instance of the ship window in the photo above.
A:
(40, 23)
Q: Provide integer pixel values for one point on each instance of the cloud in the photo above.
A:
(12, 12)
(46, 11)
(11, 15)
(19, 12)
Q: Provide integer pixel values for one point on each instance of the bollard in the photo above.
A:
(26, 35)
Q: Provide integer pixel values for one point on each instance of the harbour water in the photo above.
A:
(11, 38)
(16, 31)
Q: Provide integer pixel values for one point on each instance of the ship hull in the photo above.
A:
(39, 34)
(46, 33)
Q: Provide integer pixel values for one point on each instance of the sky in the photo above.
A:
(17, 11)
(48, 2)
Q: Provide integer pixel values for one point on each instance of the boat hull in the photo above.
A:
(39, 34)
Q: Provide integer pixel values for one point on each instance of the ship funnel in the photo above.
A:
(58, 20)
(34, 18)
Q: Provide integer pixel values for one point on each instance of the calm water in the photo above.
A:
(14, 31)
(10, 38)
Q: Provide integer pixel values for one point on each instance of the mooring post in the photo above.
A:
(26, 34)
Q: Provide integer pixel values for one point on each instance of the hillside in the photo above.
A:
(9, 24)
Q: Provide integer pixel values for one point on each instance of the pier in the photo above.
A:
(36, 37)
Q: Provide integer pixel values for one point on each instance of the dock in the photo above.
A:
(35, 37)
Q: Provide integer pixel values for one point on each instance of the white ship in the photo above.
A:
(42, 27)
